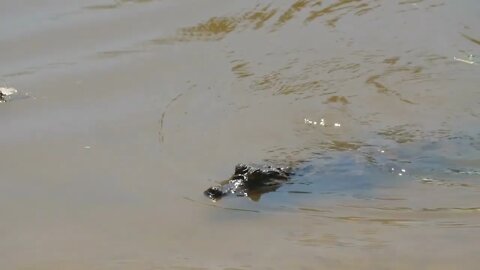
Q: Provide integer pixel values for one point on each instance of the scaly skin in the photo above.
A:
(250, 181)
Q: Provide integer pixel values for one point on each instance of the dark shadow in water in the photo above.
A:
(212, 204)
(354, 169)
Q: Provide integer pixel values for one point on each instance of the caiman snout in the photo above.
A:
(250, 180)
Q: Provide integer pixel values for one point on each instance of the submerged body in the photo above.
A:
(250, 181)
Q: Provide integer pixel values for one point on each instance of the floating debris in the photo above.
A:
(5, 92)
(469, 61)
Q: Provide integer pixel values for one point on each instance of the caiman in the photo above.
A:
(251, 181)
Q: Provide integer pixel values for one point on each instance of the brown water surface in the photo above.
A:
(128, 110)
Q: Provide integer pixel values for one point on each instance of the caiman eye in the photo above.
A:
(241, 169)
(213, 193)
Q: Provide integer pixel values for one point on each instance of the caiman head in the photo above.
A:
(250, 181)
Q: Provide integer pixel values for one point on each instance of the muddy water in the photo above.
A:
(128, 110)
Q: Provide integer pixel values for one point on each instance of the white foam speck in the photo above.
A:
(8, 91)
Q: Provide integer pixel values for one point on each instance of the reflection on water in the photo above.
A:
(338, 99)
(217, 28)
(273, 18)
(114, 54)
(400, 134)
(116, 4)
(240, 69)
(213, 29)
(404, 2)
(338, 9)
(474, 40)
(295, 8)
